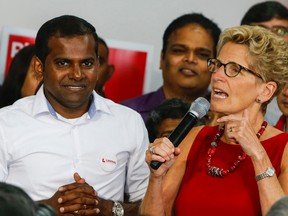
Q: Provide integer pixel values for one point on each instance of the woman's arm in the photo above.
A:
(271, 189)
(165, 182)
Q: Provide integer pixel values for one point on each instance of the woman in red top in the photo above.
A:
(240, 166)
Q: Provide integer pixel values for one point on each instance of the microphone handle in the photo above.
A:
(179, 133)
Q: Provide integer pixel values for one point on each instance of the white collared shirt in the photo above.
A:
(40, 150)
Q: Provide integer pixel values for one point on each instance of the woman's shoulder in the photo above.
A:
(275, 134)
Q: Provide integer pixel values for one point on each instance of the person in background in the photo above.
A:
(188, 42)
(105, 70)
(282, 101)
(16, 202)
(279, 208)
(165, 118)
(240, 166)
(57, 145)
(274, 16)
(211, 117)
(21, 80)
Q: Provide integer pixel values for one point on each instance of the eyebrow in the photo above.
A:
(187, 47)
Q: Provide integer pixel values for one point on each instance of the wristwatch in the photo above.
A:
(268, 173)
(117, 209)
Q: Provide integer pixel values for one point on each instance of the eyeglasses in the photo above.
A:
(281, 31)
(231, 69)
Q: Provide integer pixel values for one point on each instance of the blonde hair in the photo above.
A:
(269, 55)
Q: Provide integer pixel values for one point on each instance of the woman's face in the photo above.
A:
(234, 94)
(31, 82)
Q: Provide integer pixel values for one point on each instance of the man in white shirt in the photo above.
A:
(67, 146)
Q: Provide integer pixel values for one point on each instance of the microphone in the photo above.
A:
(197, 110)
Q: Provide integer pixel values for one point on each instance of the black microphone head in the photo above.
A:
(200, 107)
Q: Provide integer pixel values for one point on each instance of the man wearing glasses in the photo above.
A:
(274, 16)
(271, 15)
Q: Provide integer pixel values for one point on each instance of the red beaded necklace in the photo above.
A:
(219, 172)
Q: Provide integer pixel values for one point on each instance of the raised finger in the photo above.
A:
(79, 187)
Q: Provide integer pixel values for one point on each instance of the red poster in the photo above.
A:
(12, 40)
(15, 43)
(128, 79)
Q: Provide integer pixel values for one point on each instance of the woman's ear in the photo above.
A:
(268, 91)
(37, 67)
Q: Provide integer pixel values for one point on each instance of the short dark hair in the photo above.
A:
(102, 41)
(11, 88)
(191, 18)
(265, 11)
(279, 208)
(170, 108)
(15, 201)
(62, 26)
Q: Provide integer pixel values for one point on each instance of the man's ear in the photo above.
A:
(161, 61)
(38, 67)
(110, 71)
(268, 91)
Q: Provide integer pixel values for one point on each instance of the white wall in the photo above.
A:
(126, 20)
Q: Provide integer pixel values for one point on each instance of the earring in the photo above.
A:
(258, 100)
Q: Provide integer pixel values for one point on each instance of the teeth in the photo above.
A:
(187, 70)
(74, 87)
(217, 91)
(220, 94)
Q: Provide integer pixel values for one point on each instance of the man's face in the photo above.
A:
(70, 73)
(184, 64)
(282, 100)
(278, 26)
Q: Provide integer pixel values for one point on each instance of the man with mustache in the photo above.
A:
(188, 42)
(272, 15)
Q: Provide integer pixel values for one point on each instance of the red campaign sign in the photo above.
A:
(15, 43)
(128, 78)
(12, 40)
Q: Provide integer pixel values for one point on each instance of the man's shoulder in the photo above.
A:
(18, 106)
(146, 100)
(20, 111)
(116, 108)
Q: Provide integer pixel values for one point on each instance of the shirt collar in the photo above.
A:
(42, 106)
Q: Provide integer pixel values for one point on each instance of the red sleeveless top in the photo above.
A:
(235, 194)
